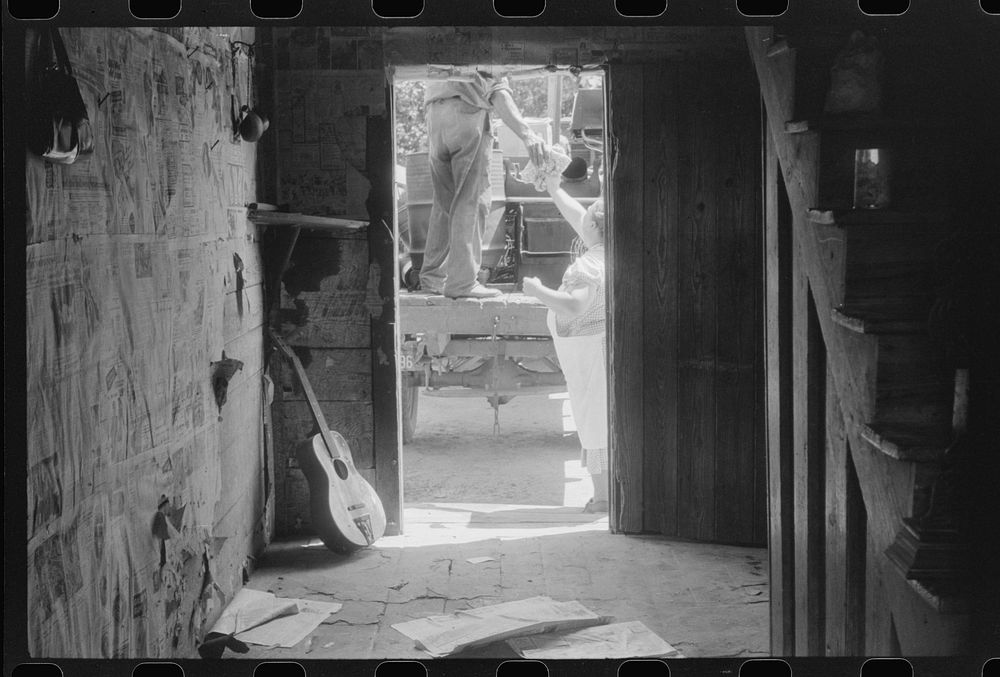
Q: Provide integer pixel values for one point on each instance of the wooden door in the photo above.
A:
(685, 309)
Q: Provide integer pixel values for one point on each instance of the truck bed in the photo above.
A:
(511, 314)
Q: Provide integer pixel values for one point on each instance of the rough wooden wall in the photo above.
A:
(142, 270)
(328, 82)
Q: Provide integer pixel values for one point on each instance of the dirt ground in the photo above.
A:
(456, 457)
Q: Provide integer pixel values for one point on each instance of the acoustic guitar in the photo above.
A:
(346, 512)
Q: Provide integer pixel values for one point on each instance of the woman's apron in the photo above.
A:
(582, 361)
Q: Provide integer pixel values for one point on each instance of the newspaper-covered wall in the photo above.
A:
(141, 271)
(328, 82)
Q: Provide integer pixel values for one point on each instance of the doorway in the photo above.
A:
(484, 414)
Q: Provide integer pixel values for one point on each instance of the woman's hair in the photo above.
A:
(596, 212)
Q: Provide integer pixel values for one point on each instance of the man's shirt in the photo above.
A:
(478, 92)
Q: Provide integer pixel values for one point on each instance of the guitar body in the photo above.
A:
(345, 510)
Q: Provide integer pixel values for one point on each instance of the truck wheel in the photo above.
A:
(410, 400)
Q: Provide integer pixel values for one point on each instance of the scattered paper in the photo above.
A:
(618, 640)
(448, 634)
(288, 631)
(258, 617)
(480, 560)
(251, 608)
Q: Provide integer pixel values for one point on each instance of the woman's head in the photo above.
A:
(592, 228)
(595, 217)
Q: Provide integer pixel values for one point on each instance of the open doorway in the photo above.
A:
(485, 411)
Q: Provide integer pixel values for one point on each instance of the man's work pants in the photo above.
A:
(460, 146)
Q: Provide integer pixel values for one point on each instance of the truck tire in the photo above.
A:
(411, 399)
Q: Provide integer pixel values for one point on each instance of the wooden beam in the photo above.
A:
(777, 304)
(808, 385)
(855, 553)
(837, 619)
(381, 302)
(625, 297)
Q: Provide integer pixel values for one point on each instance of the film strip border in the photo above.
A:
(768, 667)
(421, 10)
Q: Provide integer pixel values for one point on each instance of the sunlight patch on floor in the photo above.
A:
(449, 523)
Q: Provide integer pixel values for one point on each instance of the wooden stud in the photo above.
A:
(625, 298)
(777, 269)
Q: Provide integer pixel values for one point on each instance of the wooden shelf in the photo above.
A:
(908, 443)
(849, 217)
(946, 597)
(865, 122)
(291, 219)
(880, 319)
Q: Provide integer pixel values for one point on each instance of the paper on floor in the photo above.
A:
(448, 634)
(617, 640)
(259, 617)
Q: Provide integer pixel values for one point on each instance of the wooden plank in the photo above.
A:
(625, 298)
(381, 288)
(324, 300)
(737, 134)
(777, 269)
(809, 374)
(856, 526)
(761, 506)
(878, 603)
(290, 219)
(698, 274)
(293, 422)
(336, 374)
(917, 443)
(659, 356)
(836, 589)
(880, 319)
(509, 315)
(845, 217)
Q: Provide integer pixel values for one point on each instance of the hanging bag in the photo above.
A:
(58, 126)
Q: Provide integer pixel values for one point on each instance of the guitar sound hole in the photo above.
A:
(340, 468)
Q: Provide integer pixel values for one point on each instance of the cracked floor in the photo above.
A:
(705, 600)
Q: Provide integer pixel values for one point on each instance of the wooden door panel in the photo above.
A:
(694, 252)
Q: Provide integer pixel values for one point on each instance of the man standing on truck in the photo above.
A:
(460, 145)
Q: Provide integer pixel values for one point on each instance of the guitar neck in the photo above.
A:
(300, 372)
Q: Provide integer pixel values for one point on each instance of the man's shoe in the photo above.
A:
(478, 291)
(430, 289)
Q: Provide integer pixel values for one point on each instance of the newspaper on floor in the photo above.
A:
(617, 640)
(258, 617)
(451, 633)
